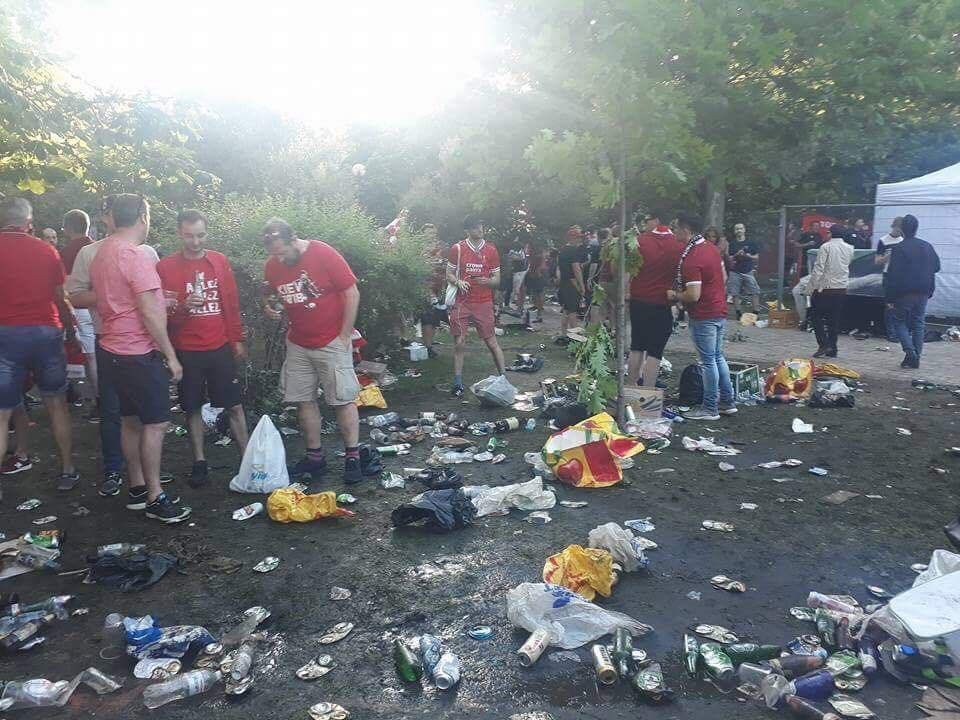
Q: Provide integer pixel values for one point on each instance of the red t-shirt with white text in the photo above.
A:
(661, 252)
(30, 271)
(202, 328)
(481, 260)
(312, 293)
(704, 265)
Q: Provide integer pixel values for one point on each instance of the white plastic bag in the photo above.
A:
(525, 496)
(495, 390)
(539, 466)
(566, 617)
(621, 545)
(942, 562)
(264, 465)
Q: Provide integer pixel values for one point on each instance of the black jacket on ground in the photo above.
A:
(913, 265)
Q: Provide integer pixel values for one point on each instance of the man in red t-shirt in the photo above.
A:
(318, 292)
(34, 315)
(474, 267)
(702, 280)
(76, 225)
(651, 322)
(203, 317)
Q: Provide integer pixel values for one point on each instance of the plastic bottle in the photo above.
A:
(446, 674)
(242, 631)
(452, 457)
(752, 673)
(243, 660)
(184, 686)
(806, 711)
(430, 652)
(379, 421)
(818, 600)
(530, 425)
(24, 633)
(379, 436)
(56, 605)
(751, 652)
(401, 449)
(826, 629)
(691, 653)
(408, 665)
(774, 688)
(868, 655)
(119, 549)
(35, 693)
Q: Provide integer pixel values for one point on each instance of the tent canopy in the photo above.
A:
(934, 199)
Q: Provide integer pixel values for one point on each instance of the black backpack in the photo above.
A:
(691, 386)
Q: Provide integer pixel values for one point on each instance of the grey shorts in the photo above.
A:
(742, 284)
(306, 370)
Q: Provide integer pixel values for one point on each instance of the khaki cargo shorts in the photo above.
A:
(307, 369)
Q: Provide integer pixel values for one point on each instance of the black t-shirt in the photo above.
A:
(812, 237)
(569, 255)
(742, 264)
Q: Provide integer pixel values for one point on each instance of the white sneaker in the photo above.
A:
(700, 414)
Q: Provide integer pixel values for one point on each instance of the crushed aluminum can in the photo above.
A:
(483, 457)
(641, 525)
(237, 687)
(852, 680)
(28, 504)
(726, 467)
(261, 612)
(538, 517)
(818, 471)
(716, 632)
(346, 499)
(156, 668)
(248, 511)
(337, 633)
(639, 656)
(804, 613)
(574, 503)
(879, 592)
(339, 593)
(792, 462)
(328, 711)
(480, 632)
(268, 564)
(316, 668)
(389, 481)
(850, 707)
(772, 465)
(45, 520)
(722, 582)
(497, 459)
(717, 525)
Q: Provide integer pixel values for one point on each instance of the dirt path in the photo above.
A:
(410, 582)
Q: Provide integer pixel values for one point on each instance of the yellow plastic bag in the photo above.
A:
(288, 505)
(586, 571)
(790, 380)
(370, 396)
(833, 370)
(587, 454)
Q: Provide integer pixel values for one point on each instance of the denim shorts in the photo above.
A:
(36, 349)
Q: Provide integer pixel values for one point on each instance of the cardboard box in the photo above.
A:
(373, 370)
(646, 402)
(745, 379)
(783, 319)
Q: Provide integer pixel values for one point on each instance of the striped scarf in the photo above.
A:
(679, 285)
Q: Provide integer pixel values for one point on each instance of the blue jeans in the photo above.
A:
(909, 313)
(109, 415)
(708, 338)
(31, 348)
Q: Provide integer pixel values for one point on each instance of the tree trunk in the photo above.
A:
(715, 201)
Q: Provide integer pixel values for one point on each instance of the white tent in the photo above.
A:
(935, 201)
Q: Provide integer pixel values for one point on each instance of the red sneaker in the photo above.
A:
(15, 464)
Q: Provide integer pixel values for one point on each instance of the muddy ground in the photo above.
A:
(410, 582)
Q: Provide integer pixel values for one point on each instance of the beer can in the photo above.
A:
(603, 664)
(533, 648)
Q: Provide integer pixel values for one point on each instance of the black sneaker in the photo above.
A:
(165, 478)
(199, 474)
(306, 466)
(432, 354)
(112, 481)
(165, 511)
(137, 498)
(371, 463)
(68, 481)
(352, 472)
(457, 391)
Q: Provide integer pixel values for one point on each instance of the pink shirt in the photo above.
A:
(119, 273)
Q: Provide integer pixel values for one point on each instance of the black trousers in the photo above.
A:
(826, 309)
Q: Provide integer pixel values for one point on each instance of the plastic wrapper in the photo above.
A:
(586, 571)
(621, 544)
(133, 571)
(44, 693)
(529, 495)
(569, 619)
(588, 454)
(371, 397)
(650, 428)
(146, 640)
(494, 391)
(264, 465)
(441, 510)
(539, 466)
(290, 505)
(790, 380)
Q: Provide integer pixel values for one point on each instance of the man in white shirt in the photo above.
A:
(828, 289)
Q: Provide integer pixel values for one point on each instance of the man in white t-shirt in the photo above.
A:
(882, 258)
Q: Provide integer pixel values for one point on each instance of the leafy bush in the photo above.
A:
(391, 280)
